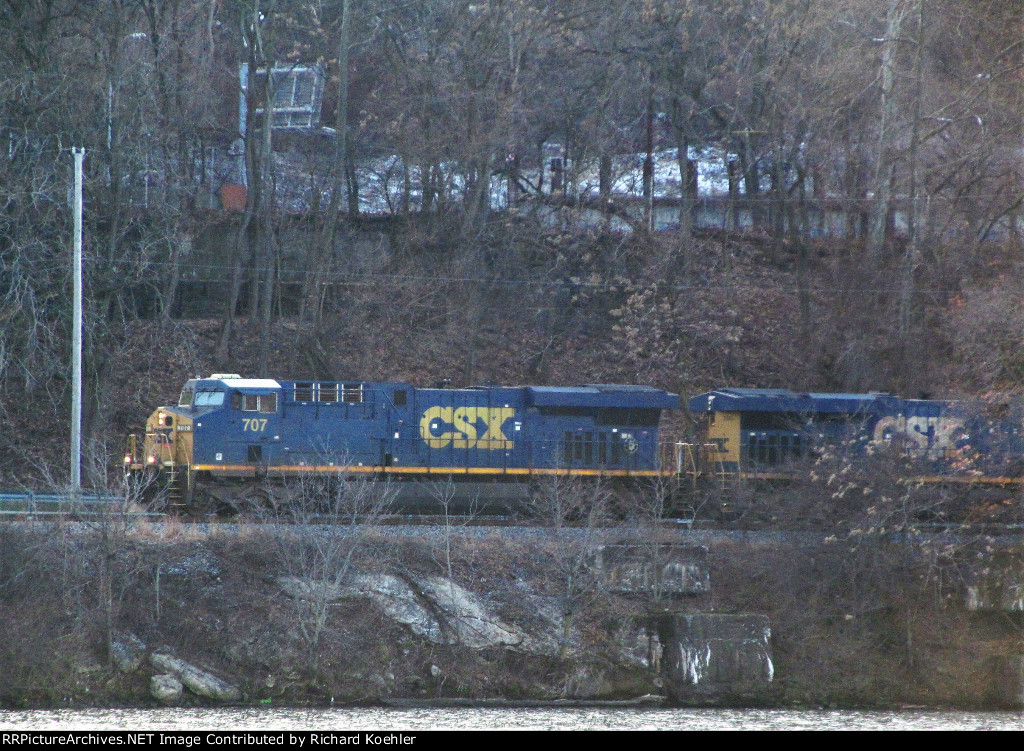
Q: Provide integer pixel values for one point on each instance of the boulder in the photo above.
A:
(197, 681)
(128, 652)
(165, 688)
(467, 619)
(303, 589)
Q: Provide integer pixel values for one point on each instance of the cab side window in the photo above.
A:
(268, 402)
(255, 402)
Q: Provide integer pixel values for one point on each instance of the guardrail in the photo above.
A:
(30, 504)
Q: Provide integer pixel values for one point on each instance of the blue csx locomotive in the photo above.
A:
(230, 439)
(763, 433)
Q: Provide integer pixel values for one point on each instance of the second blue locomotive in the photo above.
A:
(761, 433)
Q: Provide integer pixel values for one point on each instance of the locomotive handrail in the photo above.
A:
(699, 456)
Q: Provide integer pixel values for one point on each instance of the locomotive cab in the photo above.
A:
(168, 449)
(166, 454)
(168, 443)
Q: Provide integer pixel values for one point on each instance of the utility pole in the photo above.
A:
(76, 335)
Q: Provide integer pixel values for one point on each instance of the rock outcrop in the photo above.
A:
(433, 607)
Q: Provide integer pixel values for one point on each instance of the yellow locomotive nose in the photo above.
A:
(168, 439)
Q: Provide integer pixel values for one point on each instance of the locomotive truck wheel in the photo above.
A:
(202, 504)
(255, 500)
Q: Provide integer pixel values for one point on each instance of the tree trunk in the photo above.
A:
(648, 187)
(604, 181)
(170, 292)
(255, 168)
(269, 277)
(751, 180)
(322, 249)
(237, 270)
(687, 195)
(406, 187)
(907, 282)
(799, 236)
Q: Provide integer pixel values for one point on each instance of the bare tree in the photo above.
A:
(317, 534)
(96, 538)
(574, 513)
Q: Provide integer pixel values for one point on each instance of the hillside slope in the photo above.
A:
(560, 309)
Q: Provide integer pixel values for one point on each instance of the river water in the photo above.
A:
(269, 719)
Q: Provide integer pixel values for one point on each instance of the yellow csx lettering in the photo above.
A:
(464, 422)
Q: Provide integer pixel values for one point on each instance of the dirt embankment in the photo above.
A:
(869, 623)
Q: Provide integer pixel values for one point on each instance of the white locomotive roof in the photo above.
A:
(248, 383)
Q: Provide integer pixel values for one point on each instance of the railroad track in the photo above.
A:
(27, 505)
(30, 505)
(17, 505)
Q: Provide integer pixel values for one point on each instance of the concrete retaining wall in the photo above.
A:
(708, 653)
(658, 569)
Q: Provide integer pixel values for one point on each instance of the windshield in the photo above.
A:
(185, 400)
(209, 398)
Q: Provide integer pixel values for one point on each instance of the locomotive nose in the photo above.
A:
(164, 445)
